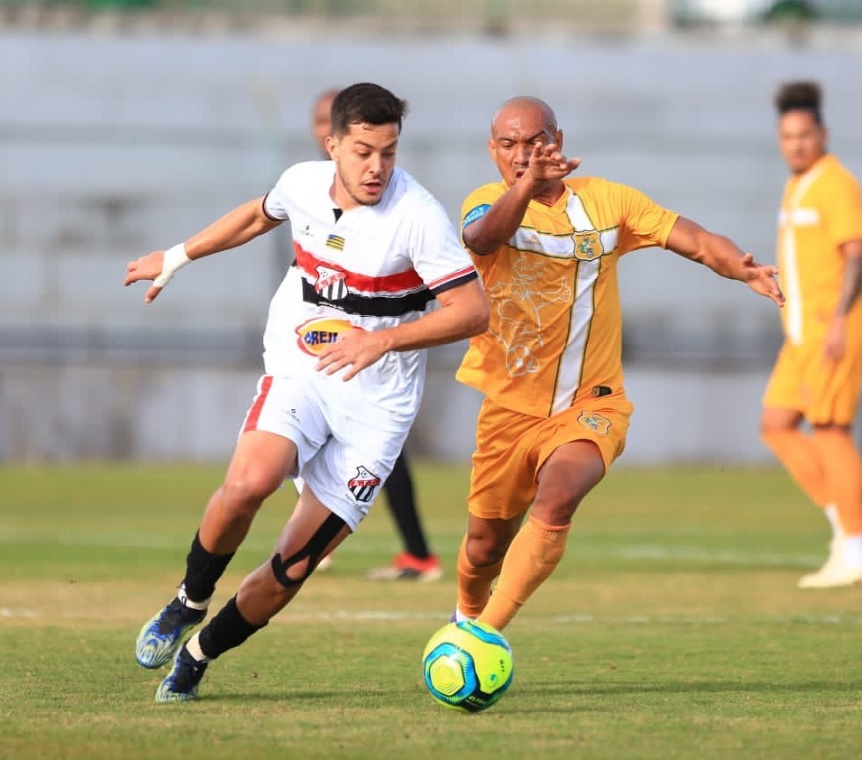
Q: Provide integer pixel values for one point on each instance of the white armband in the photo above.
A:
(175, 259)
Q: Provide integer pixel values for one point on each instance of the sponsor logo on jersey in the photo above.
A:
(363, 484)
(336, 242)
(316, 334)
(595, 422)
(331, 283)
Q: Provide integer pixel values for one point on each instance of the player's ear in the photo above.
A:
(492, 148)
(330, 143)
(558, 139)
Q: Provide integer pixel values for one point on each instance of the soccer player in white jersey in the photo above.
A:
(379, 274)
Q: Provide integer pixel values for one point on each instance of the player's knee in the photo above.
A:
(556, 505)
(294, 570)
(243, 494)
(486, 549)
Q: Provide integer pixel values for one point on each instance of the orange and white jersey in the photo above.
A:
(821, 210)
(556, 322)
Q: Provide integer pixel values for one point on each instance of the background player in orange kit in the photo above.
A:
(817, 374)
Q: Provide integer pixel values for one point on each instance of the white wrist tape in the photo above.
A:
(175, 259)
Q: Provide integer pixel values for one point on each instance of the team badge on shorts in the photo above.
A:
(363, 484)
(595, 422)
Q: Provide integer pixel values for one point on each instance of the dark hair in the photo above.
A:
(366, 103)
(800, 96)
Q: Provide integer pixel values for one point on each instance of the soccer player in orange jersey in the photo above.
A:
(817, 375)
(555, 412)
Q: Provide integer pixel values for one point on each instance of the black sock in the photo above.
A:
(402, 503)
(225, 631)
(203, 570)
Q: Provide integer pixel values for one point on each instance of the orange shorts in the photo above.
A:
(825, 392)
(512, 447)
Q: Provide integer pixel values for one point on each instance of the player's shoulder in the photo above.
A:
(838, 173)
(487, 193)
(307, 173)
(596, 186)
(409, 194)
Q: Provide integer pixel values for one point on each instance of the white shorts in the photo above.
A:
(345, 453)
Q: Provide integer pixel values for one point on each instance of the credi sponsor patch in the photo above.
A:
(316, 334)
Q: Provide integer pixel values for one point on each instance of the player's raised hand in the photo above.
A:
(761, 279)
(548, 163)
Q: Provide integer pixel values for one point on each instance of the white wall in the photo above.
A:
(112, 146)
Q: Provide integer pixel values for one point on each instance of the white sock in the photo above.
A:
(460, 617)
(853, 551)
(831, 512)
(183, 597)
(194, 647)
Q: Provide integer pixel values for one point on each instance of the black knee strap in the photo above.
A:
(313, 550)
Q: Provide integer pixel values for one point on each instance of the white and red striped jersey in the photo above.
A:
(371, 267)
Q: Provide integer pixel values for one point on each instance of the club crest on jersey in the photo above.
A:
(331, 283)
(363, 484)
(595, 422)
(317, 334)
(588, 245)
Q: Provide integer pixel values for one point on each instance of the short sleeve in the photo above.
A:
(275, 201)
(643, 223)
(477, 204)
(438, 257)
(844, 212)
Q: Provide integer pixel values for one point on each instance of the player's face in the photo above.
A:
(515, 132)
(364, 161)
(801, 140)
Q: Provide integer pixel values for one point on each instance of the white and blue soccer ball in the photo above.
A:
(467, 666)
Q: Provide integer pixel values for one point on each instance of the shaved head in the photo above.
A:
(521, 106)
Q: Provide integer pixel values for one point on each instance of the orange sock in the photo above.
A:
(535, 551)
(474, 583)
(801, 458)
(843, 469)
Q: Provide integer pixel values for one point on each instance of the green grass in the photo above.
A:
(672, 629)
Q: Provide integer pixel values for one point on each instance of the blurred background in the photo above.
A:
(126, 125)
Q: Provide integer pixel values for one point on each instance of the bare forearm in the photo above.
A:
(501, 221)
(851, 283)
(235, 228)
(461, 317)
(724, 257)
(719, 253)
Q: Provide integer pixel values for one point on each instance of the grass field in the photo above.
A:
(672, 629)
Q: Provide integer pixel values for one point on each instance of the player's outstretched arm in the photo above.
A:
(542, 175)
(235, 228)
(724, 257)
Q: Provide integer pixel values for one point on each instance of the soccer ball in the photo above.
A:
(467, 666)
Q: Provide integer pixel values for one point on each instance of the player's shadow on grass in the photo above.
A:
(583, 688)
(547, 692)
